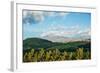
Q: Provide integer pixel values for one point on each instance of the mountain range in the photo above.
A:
(64, 39)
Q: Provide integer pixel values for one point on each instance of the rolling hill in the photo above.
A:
(37, 43)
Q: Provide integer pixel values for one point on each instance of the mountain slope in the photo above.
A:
(37, 43)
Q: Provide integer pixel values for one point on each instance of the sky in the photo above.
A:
(53, 23)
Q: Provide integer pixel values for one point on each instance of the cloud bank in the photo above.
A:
(35, 17)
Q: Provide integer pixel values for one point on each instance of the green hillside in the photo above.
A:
(36, 43)
(42, 43)
(38, 50)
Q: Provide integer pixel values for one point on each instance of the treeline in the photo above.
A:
(33, 55)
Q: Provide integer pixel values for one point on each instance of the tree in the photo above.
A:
(32, 51)
(79, 53)
(25, 57)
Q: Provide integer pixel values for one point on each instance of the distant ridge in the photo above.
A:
(64, 39)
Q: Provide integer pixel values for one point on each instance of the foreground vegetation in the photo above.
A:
(37, 50)
(33, 55)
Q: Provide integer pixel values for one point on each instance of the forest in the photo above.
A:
(40, 50)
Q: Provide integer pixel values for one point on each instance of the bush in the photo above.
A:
(54, 55)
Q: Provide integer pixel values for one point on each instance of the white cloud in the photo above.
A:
(25, 13)
(53, 33)
(63, 33)
(51, 14)
(33, 16)
(67, 32)
(61, 27)
(63, 13)
(84, 33)
(39, 16)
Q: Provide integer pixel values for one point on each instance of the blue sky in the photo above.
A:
(65, 24)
